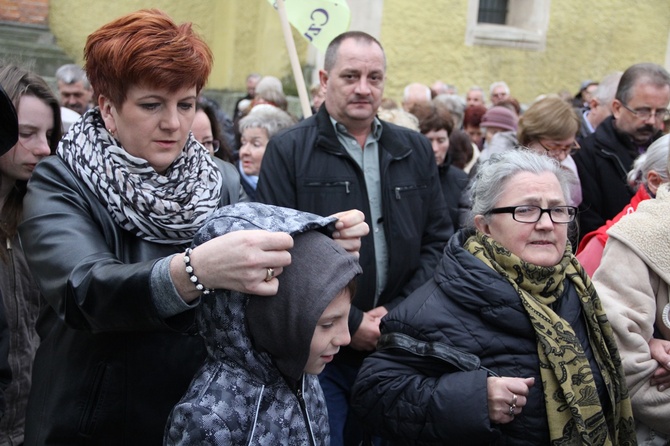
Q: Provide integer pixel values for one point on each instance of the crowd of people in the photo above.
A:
(377, 273)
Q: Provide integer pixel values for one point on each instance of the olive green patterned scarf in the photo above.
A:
(575, 414)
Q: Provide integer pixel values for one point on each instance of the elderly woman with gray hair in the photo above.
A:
(508, 343)
(261, 124)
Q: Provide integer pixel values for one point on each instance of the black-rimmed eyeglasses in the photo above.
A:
(644, 113)
(212, 145)
(533, 214)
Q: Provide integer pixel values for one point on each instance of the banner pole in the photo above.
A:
(293, 57)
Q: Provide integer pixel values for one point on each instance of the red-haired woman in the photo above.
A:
(108, 222)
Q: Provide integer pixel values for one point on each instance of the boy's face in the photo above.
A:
(331, 332)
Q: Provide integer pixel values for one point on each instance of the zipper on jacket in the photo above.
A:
(15, 364)
(303, 407)
(400, 189)
(618, 161)
(256, 413)
(14, 329)
(623, 170)
(346, 185)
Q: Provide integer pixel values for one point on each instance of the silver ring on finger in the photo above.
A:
(511, 411)
(269, 274)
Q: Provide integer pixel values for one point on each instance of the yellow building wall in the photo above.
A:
(424, 41)
(245, 35)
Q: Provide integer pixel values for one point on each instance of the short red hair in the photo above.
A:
(145, 48)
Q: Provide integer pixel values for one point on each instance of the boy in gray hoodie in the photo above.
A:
(258, 384)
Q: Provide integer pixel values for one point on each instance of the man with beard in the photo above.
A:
(638, 111)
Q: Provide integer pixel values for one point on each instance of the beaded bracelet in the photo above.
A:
(192, 277)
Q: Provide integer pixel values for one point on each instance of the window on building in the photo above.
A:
(511, 23)
(492, 11)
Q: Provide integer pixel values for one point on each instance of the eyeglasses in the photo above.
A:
(644, 113)
(554, 150)
(533, 214)
(212, 145)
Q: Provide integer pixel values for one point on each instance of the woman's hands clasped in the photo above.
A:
(507, 397)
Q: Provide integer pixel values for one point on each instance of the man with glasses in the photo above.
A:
(639, 110)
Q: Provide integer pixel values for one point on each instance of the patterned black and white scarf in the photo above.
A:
(166, 209)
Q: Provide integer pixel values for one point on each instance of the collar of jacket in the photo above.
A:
(327, 139)
(446, 164)
(611, 133)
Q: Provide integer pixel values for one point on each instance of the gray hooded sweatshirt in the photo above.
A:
(252, 389)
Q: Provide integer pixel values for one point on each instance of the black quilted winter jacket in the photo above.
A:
(426, 383)
(305, 168)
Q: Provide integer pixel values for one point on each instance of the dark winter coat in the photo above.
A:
(306, 168)
(453, 181)
(109, 369)
(603, 163)
(427, 383)
(20, 310)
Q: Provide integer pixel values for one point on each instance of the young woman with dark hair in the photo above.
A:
(39, 126)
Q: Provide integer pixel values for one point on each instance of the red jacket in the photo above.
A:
(590, 249)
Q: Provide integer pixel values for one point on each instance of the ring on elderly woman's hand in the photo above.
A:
(270, 273)
(513, 403)
(511, 411)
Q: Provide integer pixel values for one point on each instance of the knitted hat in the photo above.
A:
(9, 124)
(501, 117)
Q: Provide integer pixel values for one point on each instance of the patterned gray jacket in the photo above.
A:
(247, 393)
